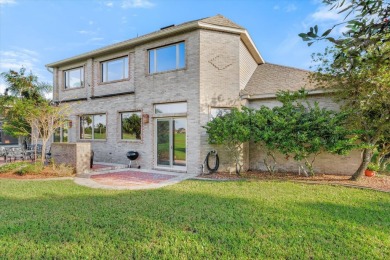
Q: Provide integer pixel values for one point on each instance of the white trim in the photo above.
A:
(175, 30)
(171, 166)
(273, 95)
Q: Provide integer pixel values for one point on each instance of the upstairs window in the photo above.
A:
(116, 69)
(74, 78)
(171, 57)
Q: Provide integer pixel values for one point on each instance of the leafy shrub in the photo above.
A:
(37, 168)
(12, 167)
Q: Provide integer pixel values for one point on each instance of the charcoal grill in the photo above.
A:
(133, 156)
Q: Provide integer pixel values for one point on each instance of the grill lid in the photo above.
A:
(132, 155)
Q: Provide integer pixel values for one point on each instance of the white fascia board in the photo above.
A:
(273, 95)
(245, 37)
(127, 44)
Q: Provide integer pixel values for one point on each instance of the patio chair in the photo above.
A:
(16, 153)
(3, 152)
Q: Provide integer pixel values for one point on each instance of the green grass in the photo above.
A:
(193, 219)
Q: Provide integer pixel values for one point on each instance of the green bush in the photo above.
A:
(22, 168)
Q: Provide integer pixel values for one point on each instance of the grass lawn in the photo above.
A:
(193, 219)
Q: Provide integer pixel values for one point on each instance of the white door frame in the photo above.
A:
(171, 165)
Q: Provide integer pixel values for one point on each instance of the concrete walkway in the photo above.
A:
(129, 178)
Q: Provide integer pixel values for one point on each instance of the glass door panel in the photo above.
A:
(171, 136)
(179, 141)
(163, 142)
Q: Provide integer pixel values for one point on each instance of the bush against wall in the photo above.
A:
(231, 130)
(298, 129)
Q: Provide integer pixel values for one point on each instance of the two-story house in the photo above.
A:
(153, 94)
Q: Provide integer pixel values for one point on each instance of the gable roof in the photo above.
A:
(269, 78)
(218, 23)
(221, 21)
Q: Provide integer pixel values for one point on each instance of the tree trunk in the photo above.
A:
(367, 154)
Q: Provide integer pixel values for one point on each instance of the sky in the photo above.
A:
(37, 32)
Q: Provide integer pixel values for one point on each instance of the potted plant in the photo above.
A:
(371, 169)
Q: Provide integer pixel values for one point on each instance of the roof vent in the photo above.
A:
(166, 27)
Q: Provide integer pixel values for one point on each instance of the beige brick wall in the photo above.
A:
(247, 65)
(324, 163)
(219, 83)
(172, 86)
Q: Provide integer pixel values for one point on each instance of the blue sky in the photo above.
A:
(37, 32)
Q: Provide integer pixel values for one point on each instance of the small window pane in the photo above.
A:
(171, 108)
(217, 111)
(74, 78)
(115, 69)
(65, 133)
(86, 127)
(57, 135)
(182, 55)
(151, 61)
(166, 58)
(99, 122)
(131, 126)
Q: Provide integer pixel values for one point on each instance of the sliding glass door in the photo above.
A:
(171, 142)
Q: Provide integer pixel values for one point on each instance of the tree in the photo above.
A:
(356, 68)
(27, 112)
(20, 86)
(132, 124)
(24, 86)
(367, 23)
(301, 129)
(231, 130)
(43, 118)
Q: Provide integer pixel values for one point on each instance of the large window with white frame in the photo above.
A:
(130, 125)
(116, 69)
(171, 57)
(93, 127)
(74, 78)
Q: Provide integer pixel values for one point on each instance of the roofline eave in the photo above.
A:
(162, 34)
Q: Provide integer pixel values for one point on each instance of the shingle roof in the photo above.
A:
(269, 78)
(221, 21)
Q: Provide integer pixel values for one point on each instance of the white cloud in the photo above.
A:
(109, 4)
(2, 87)
(16, 58)
(90, 22)
(290, 8)
(86, 32)
(137, 4)
(124, 19)
(96, 39)
(276, 7)
(10, 2)
(323, 14)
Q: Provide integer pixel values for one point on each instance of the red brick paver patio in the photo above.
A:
(125, 178)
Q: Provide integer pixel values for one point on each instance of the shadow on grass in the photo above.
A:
(190, 220)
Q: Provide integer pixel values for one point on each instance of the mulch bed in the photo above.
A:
(378, 182)
(27, 176)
